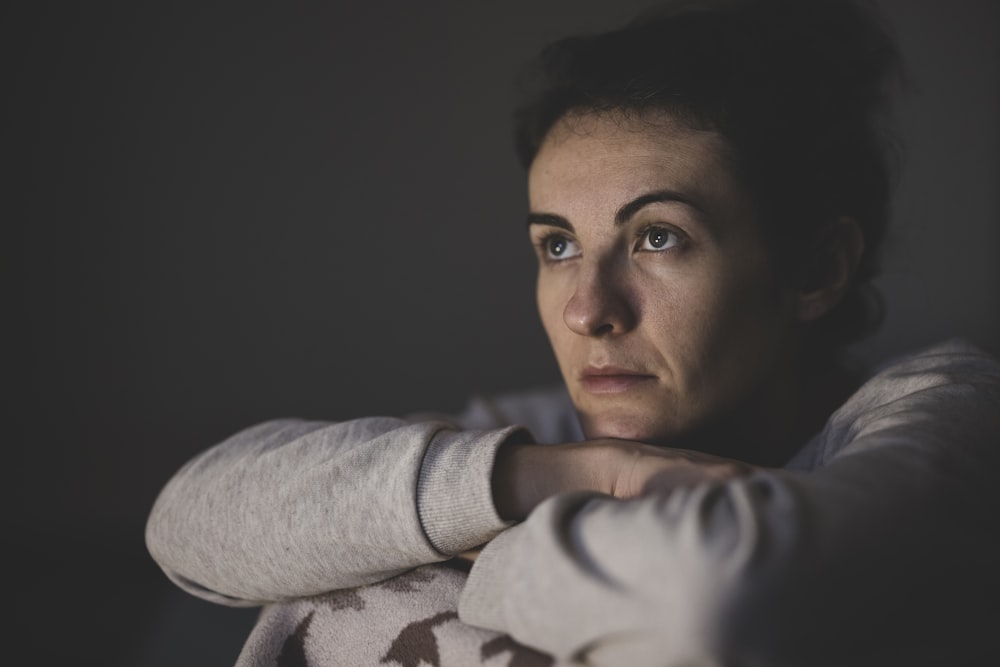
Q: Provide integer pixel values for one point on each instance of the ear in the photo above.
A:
(828, 273)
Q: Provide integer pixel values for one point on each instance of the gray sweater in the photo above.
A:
(871, 547)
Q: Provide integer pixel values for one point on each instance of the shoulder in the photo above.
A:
(952, 366)
(928, 390)
(952, 357)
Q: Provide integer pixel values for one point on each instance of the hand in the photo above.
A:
(644, 469)
(525, 475)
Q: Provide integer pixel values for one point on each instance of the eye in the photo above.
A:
(658, 238)
(557, 247)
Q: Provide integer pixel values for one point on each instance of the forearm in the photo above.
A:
(524, 476)
(290, 509)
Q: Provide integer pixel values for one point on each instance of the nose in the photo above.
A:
(601, 304)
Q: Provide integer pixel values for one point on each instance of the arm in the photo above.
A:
(778, 567)
(292, 508)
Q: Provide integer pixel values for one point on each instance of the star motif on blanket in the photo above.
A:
(521, 656)
(293, 651)
(408, 582)
(416, 642)
(345, 599)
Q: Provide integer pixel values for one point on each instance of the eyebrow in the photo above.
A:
(634, 206)
(624, 213)
(550, 219)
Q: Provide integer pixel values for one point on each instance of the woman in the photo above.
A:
(708, 192)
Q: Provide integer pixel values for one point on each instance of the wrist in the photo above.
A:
(525, 475)
(512, 495)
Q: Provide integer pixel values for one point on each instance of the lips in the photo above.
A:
(612, 379)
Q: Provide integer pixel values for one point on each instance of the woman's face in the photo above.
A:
(658, 295)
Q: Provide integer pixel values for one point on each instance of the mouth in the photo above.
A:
(612, 379)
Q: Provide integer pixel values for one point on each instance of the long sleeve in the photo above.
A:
(294, 508)
(877, 556)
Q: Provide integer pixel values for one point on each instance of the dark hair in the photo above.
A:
(798, 90)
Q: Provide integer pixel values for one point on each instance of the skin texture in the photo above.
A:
(683, 293)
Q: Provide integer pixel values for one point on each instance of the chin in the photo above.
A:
(624, 427)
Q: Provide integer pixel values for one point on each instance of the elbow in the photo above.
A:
(168, 552)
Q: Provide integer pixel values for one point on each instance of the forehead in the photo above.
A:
(597, 160)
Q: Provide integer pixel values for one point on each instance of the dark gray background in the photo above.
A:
(223, 213)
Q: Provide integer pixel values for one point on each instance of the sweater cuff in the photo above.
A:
(455, 491)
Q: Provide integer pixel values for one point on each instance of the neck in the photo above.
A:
(770, 427)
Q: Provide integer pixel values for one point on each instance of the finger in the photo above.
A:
(687, 476)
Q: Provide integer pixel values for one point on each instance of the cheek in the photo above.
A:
(757, 302)
(676, 306)
(548, 305)
(746, 327)
(715, 317)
